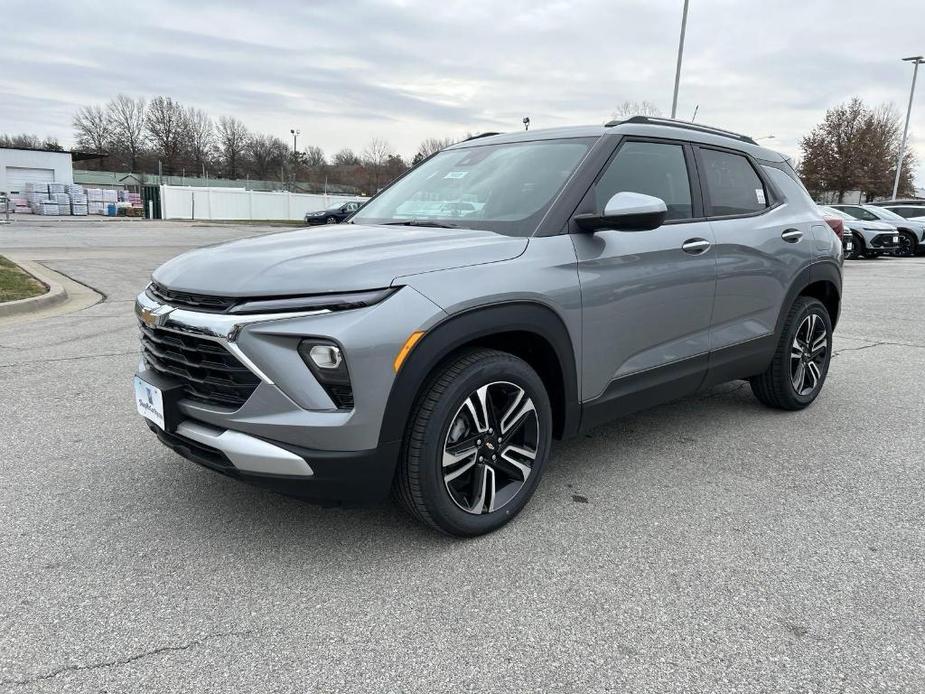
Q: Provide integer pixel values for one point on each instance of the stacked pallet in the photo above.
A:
(46, 208)
(95, 201)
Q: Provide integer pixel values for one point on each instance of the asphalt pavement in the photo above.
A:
(707, 545)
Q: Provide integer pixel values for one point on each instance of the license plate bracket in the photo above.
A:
(157, 398)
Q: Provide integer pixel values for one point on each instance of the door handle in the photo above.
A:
(792, 235)
(695, 246)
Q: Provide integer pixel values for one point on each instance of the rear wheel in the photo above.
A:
(801, 362)
(476, 444)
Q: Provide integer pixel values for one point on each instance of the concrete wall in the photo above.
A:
(185, 202)
(59, 162)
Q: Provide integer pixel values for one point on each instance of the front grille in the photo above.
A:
(883, 241)
(195, 451)
(209, 372)
(341, 395)
(195, 302)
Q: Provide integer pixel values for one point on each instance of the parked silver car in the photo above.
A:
(872, 238)
(436, 348)
(911, 232)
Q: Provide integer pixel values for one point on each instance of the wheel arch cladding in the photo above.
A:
(530, 331)
(821, 281)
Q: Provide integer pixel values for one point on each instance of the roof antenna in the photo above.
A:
(694, 117)
(526, 122)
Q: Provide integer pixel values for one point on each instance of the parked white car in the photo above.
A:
(871, 238)
(911, 231)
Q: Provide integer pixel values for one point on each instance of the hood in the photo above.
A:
(875, 226)
(338, 258)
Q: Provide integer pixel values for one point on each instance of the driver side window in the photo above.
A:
(652, 168)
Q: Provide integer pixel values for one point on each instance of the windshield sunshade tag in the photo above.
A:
(456, 174)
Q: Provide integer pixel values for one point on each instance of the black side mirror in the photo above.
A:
(626, 212)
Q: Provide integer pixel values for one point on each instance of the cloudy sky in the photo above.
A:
(345, 71)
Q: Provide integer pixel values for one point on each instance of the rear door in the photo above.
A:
(646, 301)
(762, 243)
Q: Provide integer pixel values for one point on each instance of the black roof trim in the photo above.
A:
(476, 137)
(651, 120)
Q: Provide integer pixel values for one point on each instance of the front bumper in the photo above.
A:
(288, 435)
(329, 478)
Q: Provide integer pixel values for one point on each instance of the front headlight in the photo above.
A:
(315, 302)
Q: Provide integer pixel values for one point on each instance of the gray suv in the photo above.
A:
(509, 290)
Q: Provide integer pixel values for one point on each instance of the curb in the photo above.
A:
(55, 295)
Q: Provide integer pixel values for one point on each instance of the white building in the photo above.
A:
(21, 166)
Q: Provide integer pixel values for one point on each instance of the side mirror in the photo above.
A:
(626, 212)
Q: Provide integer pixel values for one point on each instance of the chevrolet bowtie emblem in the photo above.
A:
(154, 317)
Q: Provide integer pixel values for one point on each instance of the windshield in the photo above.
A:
(505, 188)
(335, 205)
(860, 213)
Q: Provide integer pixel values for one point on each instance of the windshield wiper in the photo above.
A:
(422, 223)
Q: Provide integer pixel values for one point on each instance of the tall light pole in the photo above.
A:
(677, 73)
(295, 135)
(916, 60)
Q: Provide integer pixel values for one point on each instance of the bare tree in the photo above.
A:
(232, 140)
(93, 130)
(267, 153)
(430, 146)
(628, 109)
(200, 135)
(314, 157)
(27, 141)
(375, 157)
(345, 157)
(127, 117)
(166, 124)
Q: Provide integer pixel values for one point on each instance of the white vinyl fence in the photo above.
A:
(185, 202)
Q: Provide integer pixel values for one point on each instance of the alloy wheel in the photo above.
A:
(808, 354)
(490, 447)
(906, 246)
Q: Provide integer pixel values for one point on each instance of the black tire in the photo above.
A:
(419, 483)
(331, 220)
(858, 251)
(907, 245)
(775, 387)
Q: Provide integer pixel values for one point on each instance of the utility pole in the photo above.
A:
(916, 60)
(677, 73)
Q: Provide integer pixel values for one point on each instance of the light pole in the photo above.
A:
(677, 73)
(916, 60)
(295, 135)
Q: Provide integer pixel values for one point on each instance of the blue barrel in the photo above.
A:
(111, 209)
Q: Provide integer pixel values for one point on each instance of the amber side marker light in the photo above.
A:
(406, 348)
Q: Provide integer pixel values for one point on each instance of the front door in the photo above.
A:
(647, 296)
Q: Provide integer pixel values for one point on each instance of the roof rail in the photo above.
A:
(476, 137)
(651, 120)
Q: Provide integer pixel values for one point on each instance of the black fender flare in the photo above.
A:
(820, 271)
(468, 326)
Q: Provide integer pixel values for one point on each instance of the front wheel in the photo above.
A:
(906, 245)
(476, 444)
(801, 362)
(331, 220)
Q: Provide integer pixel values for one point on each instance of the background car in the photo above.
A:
(333, 214)
(912, 232)
(870, 238)
(906, 211)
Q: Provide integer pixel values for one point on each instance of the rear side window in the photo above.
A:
(860, 213)
(652, 168)
(733, 185)
(909, 212)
